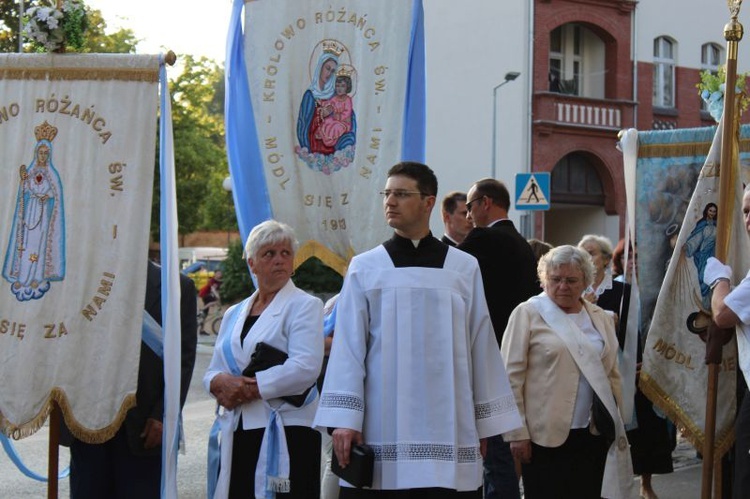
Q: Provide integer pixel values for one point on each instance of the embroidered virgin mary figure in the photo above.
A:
(326, 123)
(36, 248)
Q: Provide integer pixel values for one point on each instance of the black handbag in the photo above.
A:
(602, 419)
(359, 470)
(266, 356)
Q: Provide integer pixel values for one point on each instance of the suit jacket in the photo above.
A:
(150, 393)
(447, 240)
(508, 269)
(611, 300)
(544, 376)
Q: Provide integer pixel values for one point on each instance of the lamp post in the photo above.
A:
(227, 185)
(20, 26)
(509, 76)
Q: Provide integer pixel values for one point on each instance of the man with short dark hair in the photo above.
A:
(454, 218)
(415, 372)
(509, 273)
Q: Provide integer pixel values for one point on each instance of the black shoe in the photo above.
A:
(203, 333)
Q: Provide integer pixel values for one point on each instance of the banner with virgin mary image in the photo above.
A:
(77, 146)
(677, 177)
(322, 99)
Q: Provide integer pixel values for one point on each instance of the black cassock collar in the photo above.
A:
(430, 252)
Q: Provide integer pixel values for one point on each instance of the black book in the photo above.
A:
(266, 356)
(359, 470)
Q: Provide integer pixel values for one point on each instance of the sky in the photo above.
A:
(196, 27)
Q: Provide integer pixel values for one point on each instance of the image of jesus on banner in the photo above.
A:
(327, 124)
(36, 250)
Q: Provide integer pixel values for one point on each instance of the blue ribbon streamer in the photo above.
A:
(12, 453)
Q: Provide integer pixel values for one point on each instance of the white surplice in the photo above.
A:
(416, 368)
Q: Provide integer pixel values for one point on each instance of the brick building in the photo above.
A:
(588, 68)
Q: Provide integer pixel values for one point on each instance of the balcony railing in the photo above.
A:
(562, 109)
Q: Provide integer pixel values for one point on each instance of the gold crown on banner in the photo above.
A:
(45, 131)
(332, 47)
(345, 70)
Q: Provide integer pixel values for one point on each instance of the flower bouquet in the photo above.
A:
(712, 87)
(51, 29)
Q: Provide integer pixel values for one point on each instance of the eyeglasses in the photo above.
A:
(570, 281)
(469, 203)
(399, 193)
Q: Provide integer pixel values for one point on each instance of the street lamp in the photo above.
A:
(227, 185)
(509, 76)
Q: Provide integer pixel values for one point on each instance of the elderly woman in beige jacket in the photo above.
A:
(560, 353)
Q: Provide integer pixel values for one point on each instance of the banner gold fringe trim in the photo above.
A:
(682, 149)
(688, 428)
(84, 74)
(17, 432)
(315, 249)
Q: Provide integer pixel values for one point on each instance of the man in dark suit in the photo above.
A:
(454, 218)
(129, 464)
(509, 274)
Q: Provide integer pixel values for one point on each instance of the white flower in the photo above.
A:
(43, 13)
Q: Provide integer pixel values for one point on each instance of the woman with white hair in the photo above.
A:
(265, 413)
(560, 353)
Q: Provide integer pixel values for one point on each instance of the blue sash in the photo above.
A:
(214, 451)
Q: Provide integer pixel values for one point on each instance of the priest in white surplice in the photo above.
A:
(415, 371)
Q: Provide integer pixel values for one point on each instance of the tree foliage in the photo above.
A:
(236, 284)
(200, 160)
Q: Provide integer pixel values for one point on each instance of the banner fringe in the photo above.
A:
(687, 427)
(18, 432)
(315, 249)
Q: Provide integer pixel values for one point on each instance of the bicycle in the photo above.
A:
(212, 319)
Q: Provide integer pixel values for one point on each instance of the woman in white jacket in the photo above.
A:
(267, 443)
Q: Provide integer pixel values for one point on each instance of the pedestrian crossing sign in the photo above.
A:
(532, 191)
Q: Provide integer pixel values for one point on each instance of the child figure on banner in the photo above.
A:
(338, 110)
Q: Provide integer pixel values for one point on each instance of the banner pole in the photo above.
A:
(728, 166)
(54, 451)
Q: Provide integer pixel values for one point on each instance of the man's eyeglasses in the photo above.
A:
(570, 281)
(469, 203)
(399, 193)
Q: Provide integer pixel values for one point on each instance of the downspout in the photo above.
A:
(529, 114)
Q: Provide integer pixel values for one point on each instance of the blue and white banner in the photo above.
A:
(77, 141)
(332, 97)
(676, 221)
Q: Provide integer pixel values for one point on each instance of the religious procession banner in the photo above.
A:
(336, 97)
(677, 189)
(77, 143)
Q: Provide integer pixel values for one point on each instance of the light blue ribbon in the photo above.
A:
(214, 451)
(10, 449)
(329, 321)
(244, 155)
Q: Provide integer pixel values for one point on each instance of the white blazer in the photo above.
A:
(292, 322)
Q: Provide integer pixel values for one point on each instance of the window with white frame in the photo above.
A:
(711, 58)
(664, 65)
(565, 60)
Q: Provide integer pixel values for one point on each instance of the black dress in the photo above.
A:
(652, 442)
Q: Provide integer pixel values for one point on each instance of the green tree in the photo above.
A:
(200, 160)
(9, 25)
(316, 277)
(236, 284)
(98, 41)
